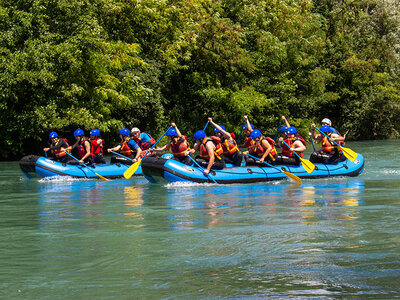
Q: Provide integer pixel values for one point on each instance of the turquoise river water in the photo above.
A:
(128, 239)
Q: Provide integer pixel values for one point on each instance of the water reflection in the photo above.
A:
(211, 206)
(191, 206)
(339, 193)
(133, 198)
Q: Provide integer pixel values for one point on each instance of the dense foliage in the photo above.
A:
(121, 63)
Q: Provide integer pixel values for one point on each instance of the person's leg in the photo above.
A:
(237, 158)
(218, 164)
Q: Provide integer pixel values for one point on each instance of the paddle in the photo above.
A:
(240, 134)
(350, 154)
(132, 169)
(312, 142)
(308, 165)
(126, 157)
(202, 169)
(288, 174)
(101, 177)
(279, 127)
(205, 127)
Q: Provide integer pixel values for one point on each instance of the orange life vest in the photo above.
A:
(327, 146)
(229, 147)
(125, 149)
(60, 152)
(286, 150)
(218, 148)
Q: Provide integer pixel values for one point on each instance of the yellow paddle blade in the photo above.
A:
(102, 177)
(350, 154)
(308, 165)
(292, 176)
(132, 169)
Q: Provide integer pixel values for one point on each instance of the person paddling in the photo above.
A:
(178, 145)
(128, 147)
(231, 151)
(211, 156)
(248, 128)
(282, 132)
(83, 145)
(96, 147)
(263, 148)
(295, 143)
(58, 147)
(330, 153)
(143, 139)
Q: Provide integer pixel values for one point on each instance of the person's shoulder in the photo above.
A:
(132, 142)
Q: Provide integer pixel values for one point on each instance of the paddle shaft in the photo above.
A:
(288, 174)
(86, 166)
(133, 168)
(293, 150)
(327, 136)
(269, 165)
(157, 141)
(201, 168)
(205, 127)
(312, 142)
(241, 130)
(121, 155)
(279, 127)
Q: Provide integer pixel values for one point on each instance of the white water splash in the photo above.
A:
(63, 179)
(180, 184)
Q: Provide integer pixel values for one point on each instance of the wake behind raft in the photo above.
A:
(162, 169)
(33, 165)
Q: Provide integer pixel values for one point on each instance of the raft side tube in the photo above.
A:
(171, 170)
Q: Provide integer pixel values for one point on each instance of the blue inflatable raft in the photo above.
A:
(33, 165)
(162, 169)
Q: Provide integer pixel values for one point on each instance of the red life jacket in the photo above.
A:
(180, 148)
(148, 144)
(286, 150)
(218, 148)
(229, 147)
(95, 148)
(248, 142)
(60, 152)
(125, 149)
(82, 149)
(260, 150)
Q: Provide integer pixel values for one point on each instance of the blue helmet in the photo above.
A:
(291, 130)
(124, 131)
(78, 132)
(222, 126)
(95, 132)
(200, 134)
(326, 129)
(255, 134)
(246, 127)
(172, 132)
(283, 129)
(53, 134)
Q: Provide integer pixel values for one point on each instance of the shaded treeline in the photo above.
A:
(111, 64)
